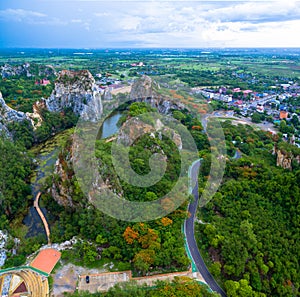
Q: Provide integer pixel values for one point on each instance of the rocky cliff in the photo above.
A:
(146, 90)
(8, 115)
(76, 90)
(62, 189)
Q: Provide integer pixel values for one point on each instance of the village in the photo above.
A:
(272, 106)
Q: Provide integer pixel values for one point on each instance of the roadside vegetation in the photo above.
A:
(251, 228)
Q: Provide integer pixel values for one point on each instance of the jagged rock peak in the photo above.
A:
(75, 77)
(76, 90)
(143, 88)
(146, 90)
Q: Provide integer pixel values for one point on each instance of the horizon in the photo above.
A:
(146, 48)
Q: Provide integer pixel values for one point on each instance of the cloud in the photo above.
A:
(102, 14)
(256, 12)
(29, 17)
(20, 15)
(76, 21)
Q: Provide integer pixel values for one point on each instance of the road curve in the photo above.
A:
(190, 235)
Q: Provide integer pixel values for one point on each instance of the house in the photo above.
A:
(283, 114)
(222, 90)
(238, 103)
(285, 86)
(227, 99)
(260, 108)
(246, 92)
(42, 82)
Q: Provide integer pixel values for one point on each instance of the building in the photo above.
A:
(283, 114)
(42, 82)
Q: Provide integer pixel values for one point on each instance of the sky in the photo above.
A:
(148, 24)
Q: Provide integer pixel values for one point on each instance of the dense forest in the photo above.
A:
(251, 229)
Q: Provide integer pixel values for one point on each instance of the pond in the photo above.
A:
(109, 126)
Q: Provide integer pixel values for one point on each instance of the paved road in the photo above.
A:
(190, 237)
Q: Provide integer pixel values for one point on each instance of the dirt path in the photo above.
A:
(36, 205)
(65, 278)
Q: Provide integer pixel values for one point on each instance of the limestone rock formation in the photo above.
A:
(76, 90)
(146, 90)
(26, 69)
(285, 159)
(8, 70)
(8, 114)
(35, 116)
(135, 128)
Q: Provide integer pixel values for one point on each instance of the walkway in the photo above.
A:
(36, 205)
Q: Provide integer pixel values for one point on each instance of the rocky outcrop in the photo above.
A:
(107, 94)
(76, 90)
(8, 114)
(27, 70)
(146, 90)
(63, 187)
(35, 116)
(285, 159)
(9, 70)
(135, 127)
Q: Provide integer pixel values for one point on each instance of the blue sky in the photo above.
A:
(103, 24)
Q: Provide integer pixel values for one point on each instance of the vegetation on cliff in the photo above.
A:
(150, 247)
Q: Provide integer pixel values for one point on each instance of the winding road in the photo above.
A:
(190, 235)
